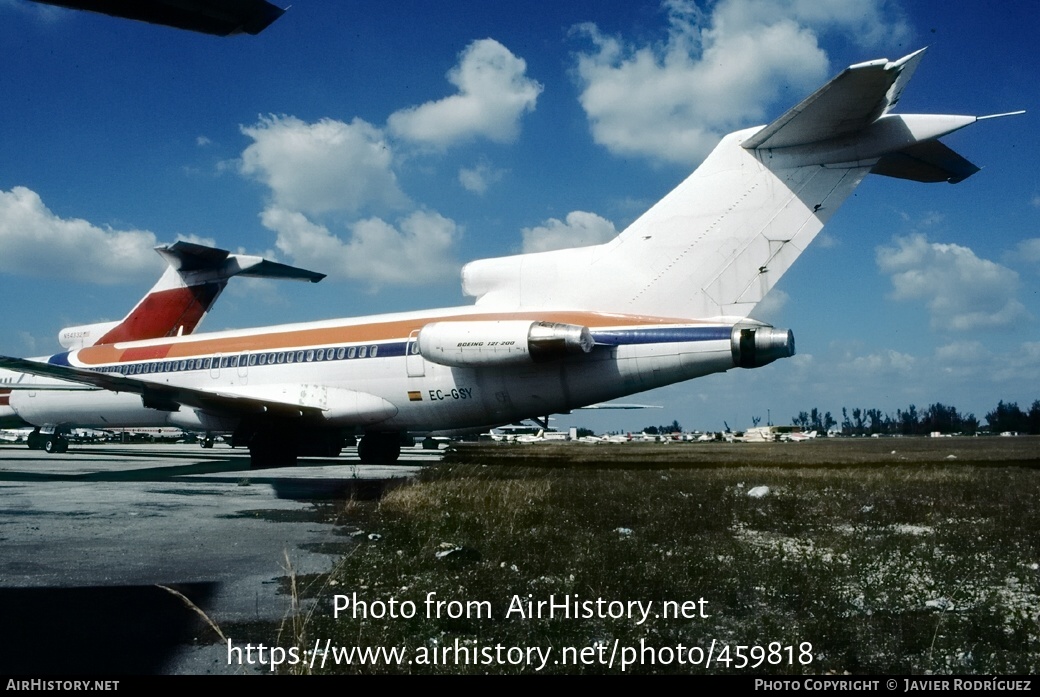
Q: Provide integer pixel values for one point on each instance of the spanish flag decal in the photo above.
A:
(414, 396)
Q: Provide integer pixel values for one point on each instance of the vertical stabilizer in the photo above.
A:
(183, 295)
(715, 245)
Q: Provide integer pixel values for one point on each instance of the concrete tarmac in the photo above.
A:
(89, 536)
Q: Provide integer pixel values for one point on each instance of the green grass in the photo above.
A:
(883, 566)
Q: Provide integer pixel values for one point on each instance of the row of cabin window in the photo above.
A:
(251, 359)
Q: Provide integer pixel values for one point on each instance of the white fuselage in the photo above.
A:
(368, 372)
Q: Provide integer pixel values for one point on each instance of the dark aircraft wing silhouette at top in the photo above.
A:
(219, 17)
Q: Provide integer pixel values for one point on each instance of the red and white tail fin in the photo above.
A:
(183, 295)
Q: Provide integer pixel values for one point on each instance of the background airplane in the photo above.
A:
(667, 300)
(175, 306)
(798, 436)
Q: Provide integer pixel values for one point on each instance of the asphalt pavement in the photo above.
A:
(92, 539)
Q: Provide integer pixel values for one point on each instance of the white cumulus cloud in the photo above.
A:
(961, 353)
(36, 242)
(417, 250)
(1020, 366)
(493, 93)
(323, 167)
(581, 229)
(1028, 250)
(885, 364)
(477, 179)
(961, 291)
(714, 72)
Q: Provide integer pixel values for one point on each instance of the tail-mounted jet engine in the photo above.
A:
(513, 342)
(760, 345)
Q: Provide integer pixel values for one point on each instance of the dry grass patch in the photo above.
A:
(884, 569)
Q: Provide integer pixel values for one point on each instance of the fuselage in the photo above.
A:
(379, 357)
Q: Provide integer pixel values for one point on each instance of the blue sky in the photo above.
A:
(387, 144)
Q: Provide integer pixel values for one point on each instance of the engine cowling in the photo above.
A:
(507, 342)
(755, 346)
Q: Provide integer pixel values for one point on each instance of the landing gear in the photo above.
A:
(272, 448)
(379, 448)
(55, 444)
(35, 440)
(207, 441)
(279, 442)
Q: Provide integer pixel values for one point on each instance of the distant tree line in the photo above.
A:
(912, 421)
(663, 430)
(1009, 417)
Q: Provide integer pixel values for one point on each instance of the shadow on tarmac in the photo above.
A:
(114, 630)
(225, 470)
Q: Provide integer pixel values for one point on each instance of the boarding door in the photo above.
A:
(414, 363)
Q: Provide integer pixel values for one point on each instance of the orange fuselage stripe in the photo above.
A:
(269, 339)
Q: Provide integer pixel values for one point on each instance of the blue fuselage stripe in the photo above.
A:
(664, 335)
(60, 359)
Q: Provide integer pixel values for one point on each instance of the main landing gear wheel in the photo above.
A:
(273, 448)
(55, 444)
(378, 448)
(35, 440)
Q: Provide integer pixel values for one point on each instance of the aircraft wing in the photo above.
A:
(219, 17)
(163, 396)
(621, 405)
(49, 387)
(333, 405)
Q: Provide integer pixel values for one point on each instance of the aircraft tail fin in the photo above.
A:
(186, 291)
(715, 245)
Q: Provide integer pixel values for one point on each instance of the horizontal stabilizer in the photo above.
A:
(930, 161)
(272, 269)
(187, 257)
(845, 105)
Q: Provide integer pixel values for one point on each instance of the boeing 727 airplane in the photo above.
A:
(667, 300)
